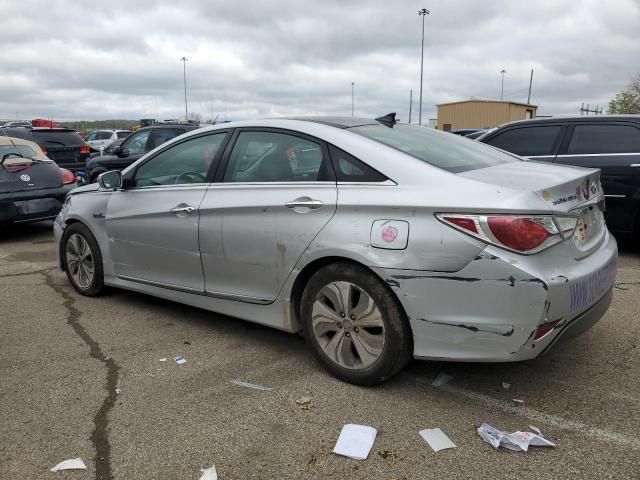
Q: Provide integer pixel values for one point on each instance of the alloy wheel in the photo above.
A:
(79, 259)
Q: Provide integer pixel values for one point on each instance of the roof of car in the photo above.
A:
(188, 126)
(575, 118)
(338, 122)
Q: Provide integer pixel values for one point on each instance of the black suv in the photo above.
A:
(608, 142)
(133, 147)
(62, 145)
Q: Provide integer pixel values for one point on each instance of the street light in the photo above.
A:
(184, 72)
(423, 13)
(503, 71)
(352, 85)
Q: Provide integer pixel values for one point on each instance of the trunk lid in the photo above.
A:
(30, 175)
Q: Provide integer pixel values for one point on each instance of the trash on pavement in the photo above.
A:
(517, 402)
(620, 286)
(71, 464)
(441, 379)
(355, 441)
(118, 391)
(180, 360)
(251, 385)
(536, 430)
(305, 403)
(209, 473)
(506, 385)
(516, 441)
(163, 359)
(391, 456)
(436, 439)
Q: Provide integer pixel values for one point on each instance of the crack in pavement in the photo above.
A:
(100, 435)
(34, 272)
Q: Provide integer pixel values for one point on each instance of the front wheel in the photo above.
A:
(82, 260)
(355, 325)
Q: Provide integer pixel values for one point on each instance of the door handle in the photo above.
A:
(188, 209)
(304, 202)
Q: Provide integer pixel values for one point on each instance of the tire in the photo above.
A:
(82, 260)
(355, 325)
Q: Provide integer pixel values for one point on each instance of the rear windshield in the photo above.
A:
(56, 137)
(18, 151)
(443, 150)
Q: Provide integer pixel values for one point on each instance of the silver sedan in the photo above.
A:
(379, 241)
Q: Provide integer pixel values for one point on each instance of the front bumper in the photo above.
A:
(31, 206)
(490, 310)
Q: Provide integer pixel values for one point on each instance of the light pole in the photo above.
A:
(423, 13)
(184, 72)
(352, 85)
(503, 71)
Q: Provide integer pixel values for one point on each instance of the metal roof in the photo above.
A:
(338, 122)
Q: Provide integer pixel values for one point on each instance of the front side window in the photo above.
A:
(188, 162)
(594, 139)
(528, 141)
(448, 152)
(91, 136)
(136, 143)
(275, 157)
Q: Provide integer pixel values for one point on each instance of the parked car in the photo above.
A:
(32, 187)
(108, 150)
(380, 241)
(610, 143)
(464, 131)
(102, 138)
(133, 147)
(17, 123)
(477, 134)
(62, 145)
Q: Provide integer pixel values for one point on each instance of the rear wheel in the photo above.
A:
(82, 260)
(355, 325)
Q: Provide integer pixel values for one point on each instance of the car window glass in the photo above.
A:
(446, 151)
(103, 135)
(122, 135)
(58, 138)
(596, 138)
(275, 157)
(185, 163)
(350, 169)
(528, 141)
(136, 143)
(162, 135)
(17, 151)
(91, 136)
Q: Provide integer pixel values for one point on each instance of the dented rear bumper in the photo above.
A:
(490, 310)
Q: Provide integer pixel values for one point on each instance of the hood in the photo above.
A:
(561, 187)
(92, 187)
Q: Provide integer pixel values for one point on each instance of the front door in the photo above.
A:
(276, 194)
(153, 224)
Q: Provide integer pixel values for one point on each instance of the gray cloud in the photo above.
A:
(72, 60)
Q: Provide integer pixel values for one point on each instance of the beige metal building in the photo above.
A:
(481, 113)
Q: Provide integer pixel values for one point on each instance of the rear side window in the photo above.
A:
(528, 141)
(103, 135)
(443, 150)
(122, 135)
(57, 138)
(596, 138)
(161, 135)
(350, 169)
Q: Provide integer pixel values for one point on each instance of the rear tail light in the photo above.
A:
(518, 233)
(545, 328)
(85, 149)
(67, 176)
(45, 150)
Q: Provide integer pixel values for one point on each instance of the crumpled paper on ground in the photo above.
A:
(355, 441)
(209, 473)
(71, 464)
(516, 441)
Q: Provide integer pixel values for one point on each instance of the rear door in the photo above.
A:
(614, 148)
(537, 142)
(274, 193)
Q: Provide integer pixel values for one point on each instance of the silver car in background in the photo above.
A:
(379, 241)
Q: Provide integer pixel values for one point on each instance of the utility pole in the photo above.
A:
(503, 71)
(352, 85)
(530, 82)
(184, 71)
(423, 13)
(410, 103)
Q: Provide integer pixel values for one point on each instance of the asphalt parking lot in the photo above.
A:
(62, 357)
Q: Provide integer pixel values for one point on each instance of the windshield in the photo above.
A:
(452, 153)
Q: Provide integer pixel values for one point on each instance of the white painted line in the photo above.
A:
(251, 385)
(541, 417)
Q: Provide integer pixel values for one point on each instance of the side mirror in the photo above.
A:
(117, 150)
(110, 180)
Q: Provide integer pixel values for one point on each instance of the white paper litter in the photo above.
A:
(71, 464)
(506, 385)
(536, 430)
(436, 439)
(517, 402)
(209, 473)
(163, 359)
(441, 379)
(250, 385)
(355, 441)
(118, 391)
(516, 441)
(180, 360)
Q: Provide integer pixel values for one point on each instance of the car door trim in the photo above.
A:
(599, 155)
(161, 284)
(238, 298)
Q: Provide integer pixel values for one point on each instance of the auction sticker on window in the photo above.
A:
(390, 234)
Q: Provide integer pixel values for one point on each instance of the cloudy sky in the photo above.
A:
(246, 59)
